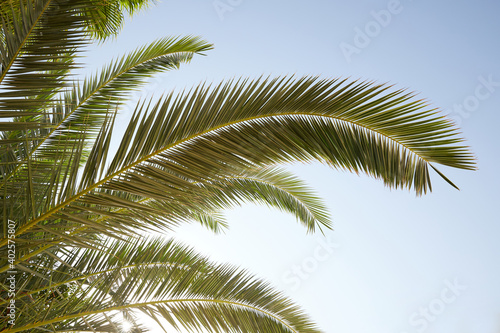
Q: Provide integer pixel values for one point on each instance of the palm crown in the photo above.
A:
(184, 157)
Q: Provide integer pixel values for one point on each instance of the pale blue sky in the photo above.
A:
(392, 255)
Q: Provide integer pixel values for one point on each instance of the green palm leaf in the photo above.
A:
(268, 122)
(272, 186)
(158, 278)
(212, 134)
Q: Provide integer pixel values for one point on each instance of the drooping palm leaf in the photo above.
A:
(212, 134)
(158, 278)
(352, 125)
(271, 186)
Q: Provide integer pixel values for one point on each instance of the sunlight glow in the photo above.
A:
(126, 326)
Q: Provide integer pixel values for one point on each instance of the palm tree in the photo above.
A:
(74, 205)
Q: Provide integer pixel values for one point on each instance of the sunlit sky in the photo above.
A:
(395, 262)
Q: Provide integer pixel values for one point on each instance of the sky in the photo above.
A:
(394, 263)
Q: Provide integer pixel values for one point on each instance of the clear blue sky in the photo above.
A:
(395, 263)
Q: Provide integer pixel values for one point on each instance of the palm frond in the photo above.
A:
(160, 279)
(126, 215)
(347, 125)
(214, 133)
(271, 186)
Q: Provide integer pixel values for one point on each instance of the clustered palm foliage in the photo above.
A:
(77, 203)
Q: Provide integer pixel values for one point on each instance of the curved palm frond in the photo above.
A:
(356, 126)
(204, 202)
(271, 186)
(158, 278)
(211, 134)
